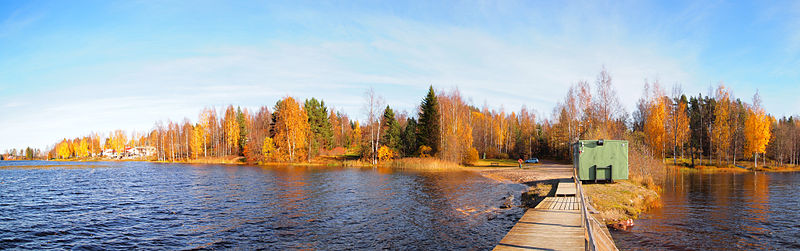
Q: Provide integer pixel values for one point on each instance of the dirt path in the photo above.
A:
(529, 174)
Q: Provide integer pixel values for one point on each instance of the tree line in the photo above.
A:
(27, 153)
(715, 128)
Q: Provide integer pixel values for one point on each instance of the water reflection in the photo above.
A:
(721, 210)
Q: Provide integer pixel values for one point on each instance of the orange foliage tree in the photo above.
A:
(756, 130)
(291, 130)
(654, 124)
(721, 132)
(456, 131)
(678, 126)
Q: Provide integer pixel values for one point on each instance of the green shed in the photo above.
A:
(601, 159)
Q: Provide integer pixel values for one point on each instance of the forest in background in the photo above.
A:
(712, 129)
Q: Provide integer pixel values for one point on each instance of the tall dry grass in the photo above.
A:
(423, 163)
(643, 167)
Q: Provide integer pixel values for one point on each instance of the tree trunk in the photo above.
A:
(756, 159)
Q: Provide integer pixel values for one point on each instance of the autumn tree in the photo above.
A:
(721, 132)
(757, 130)
(291, 130)
(678, 125)
(606, 109)
(268, 150)
(654, 124)
(355, 134)
(259, 129)
(202, 130)
(63, 149)
(372, 105)
(341, 129)
(456, 132)
(231, 130)
(118, 140)
(197, 141)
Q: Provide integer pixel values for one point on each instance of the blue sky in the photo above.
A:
(68, 68)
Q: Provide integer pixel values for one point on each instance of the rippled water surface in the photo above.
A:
(721, 211)
(123, 205)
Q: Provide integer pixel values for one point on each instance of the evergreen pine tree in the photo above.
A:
(242, 130)
(321, 129)
(409, 137)
(428, 127)
(391, 130)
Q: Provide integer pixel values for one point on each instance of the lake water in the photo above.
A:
(124, 205)
(721, 211)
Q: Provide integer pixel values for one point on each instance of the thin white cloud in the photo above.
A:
(400, 58)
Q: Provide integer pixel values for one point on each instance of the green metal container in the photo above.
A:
(601, 159)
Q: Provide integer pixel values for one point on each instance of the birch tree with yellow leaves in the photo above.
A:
(654, 124)
(231, 128)
(721, 132)
(291, 130)
(757, 130)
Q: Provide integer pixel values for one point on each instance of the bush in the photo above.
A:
(471, 157)
(386, 153)
(424, 151)
(502, 156)
(492, 153)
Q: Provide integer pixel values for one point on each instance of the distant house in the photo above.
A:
(130, 152)
(109, 153)
(146, 150)
(139, 151)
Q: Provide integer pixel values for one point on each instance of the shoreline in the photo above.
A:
(403, 163)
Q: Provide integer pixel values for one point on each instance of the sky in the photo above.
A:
(71, 68)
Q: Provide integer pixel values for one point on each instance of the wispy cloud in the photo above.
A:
(18, 20)
(508, 58)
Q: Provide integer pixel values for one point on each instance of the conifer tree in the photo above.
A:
(409, 137)
(391, 135)
(428, 127)
(243, 132)
(321, 129)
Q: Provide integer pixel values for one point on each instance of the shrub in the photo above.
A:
(386, 153)
(502, 156)
(424, 151)
(471, 157)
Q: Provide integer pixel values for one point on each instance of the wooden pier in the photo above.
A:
(558, 223)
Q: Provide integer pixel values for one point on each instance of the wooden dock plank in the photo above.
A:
(545, 229)
(565, 187)
(554, 224)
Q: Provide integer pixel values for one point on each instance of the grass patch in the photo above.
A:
(621, 200)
